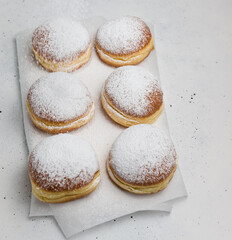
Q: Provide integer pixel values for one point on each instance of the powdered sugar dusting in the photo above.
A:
(63, 161)
(143, 154)
(59, 97)
(60, 39)
(129, 88)
(123, 35)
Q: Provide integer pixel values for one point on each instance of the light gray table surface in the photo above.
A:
(194, 44)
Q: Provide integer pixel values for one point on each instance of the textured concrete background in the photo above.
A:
(194, 44)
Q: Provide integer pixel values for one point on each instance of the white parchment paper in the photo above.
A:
(108, 201)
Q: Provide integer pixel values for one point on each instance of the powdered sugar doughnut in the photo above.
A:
(63, 167)
(142, 160)
(59, 102)
(124, 41)
(61, 45)
(131, 95)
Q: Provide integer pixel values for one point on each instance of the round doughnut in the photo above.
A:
(131, 95)
(59, 102)
(142, 160)
(61, 45)
(124, 41)
(62, 168)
